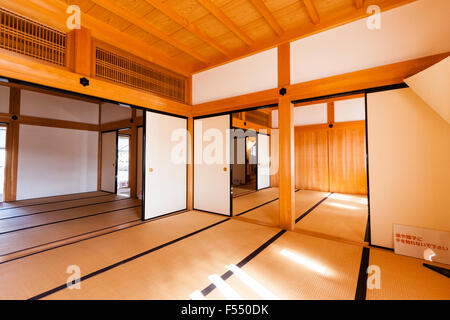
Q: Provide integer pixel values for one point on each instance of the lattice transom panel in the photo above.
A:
(28, 37)
(123, 70)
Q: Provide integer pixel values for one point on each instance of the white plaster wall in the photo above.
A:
(254, 73)
(418, 29)
(54, 161)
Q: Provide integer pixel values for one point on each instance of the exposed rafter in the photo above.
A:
(144, 25)
(264, 11)
(327, 22)
(312, 11)
(359, 4)
(53, 13)
(182, 21)
(221, 16)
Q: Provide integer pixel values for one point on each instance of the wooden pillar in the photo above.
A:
(330, 112)
(12, 147)
(284, 64)
(99, 154)
(79, 51)
(286, 142)
(190, 177)
(286, 162)
(188, 91)
(190, 173)
(132, 169)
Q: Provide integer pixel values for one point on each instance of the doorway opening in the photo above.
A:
(2, 159)
(251, 163)
(123, 165)
(245, 153)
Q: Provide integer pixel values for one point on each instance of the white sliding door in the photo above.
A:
(211, 165)
(263, 161)
(109, 158)
(165, 160)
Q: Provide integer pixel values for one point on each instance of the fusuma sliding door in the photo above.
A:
(212, 177)
(165, 164)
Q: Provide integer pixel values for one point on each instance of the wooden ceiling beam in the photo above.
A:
(312, 11)
(182, 21)
(144, 25)
(338, 19)
(265, 12)
(357, 80)
(30, 70)
(222, 17)
(359, 4)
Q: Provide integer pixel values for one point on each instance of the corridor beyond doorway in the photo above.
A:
(123, 165)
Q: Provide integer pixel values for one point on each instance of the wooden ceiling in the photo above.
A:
(200, 34)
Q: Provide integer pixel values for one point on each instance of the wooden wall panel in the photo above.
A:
(347, 149)
(311, 158)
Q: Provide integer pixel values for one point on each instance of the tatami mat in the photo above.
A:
(21, 203)
(269, 214)
(175, 271)
(7, 213)
(175, 256)
(29, 276)
(252, 200)
(28, 238)
(405, 278)
(341, 215)
(298, 267)
(238, 192)
(36, 220)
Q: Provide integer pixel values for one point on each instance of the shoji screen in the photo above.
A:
(263, 161)
(165, 158)
(109, 159)
(211, 164)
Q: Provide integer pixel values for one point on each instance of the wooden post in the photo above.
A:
(132, 173)
(330, 112)
(12, 147)
(286, 163)
(286, 142)
(284, 65)
(188, 91)
(79, 51)
(190, 177)
(190, 171)
(99, 154)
